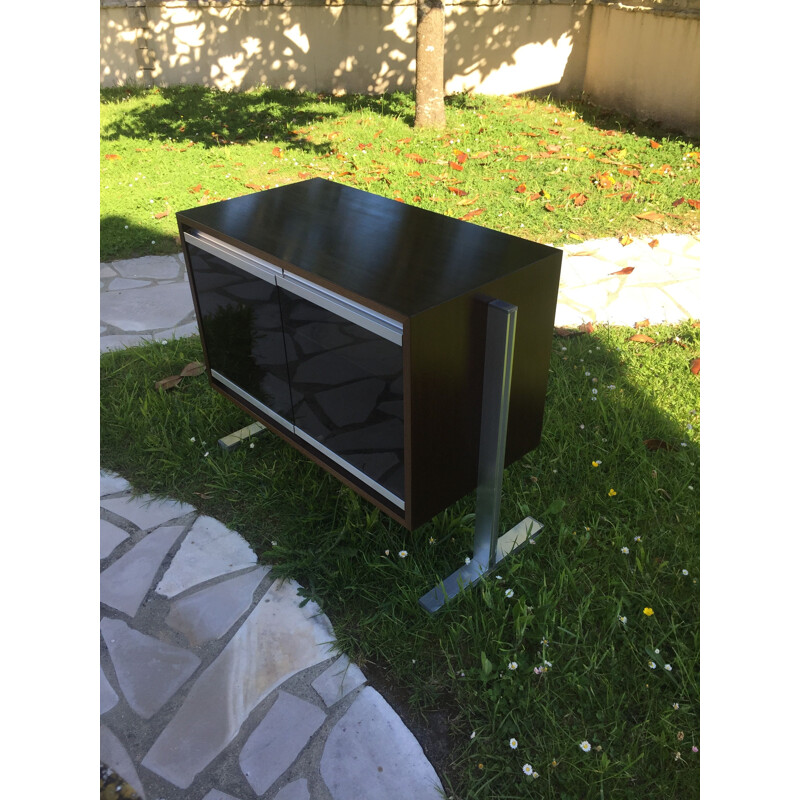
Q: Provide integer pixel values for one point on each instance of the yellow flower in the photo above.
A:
(649, 611)
(611, 492)
(596, 463)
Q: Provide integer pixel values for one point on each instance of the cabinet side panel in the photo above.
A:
(446, 352)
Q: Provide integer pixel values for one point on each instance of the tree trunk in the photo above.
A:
(429, 111)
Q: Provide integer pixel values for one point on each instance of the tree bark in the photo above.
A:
(429, 110)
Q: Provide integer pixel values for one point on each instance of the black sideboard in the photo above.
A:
(354, 327)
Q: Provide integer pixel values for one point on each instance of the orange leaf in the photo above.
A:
(654, 144)
(630, 172)
(626, 196)
(472, 214)
(277, 152)
(521, 189)
(111, 156)
(653, 243)
(196, 189)
(414, 174)
(454, 190)
(416, 157)
(677, 202)
(645, 323)
(403, 141)
(521, 157)
(579, 198)
(548, 207)
(604, 180)
(534, 196)
(695, 366)
(664, 169)
(162, 214)
(623, 271)
(642, 337)
(303, 175)
(650, 215)
(457, 166)
(625, 240)
(694, 203)
(553, 148)
(587, 327)
(482, 154)
(460, 156)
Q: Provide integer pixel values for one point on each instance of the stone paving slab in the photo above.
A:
(228, 688)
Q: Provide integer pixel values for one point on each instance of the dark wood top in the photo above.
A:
(395, 255)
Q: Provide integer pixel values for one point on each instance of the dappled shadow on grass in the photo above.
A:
(570, 588)
(213, 118)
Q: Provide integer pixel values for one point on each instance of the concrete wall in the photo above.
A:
(642, 58)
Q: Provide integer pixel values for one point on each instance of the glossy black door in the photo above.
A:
(347, 389)
(240, 318)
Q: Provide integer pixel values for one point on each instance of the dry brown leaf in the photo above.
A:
(168, 383)
(112, 156)
(694, 366)
(521, 189)
(472, 214)
(650, 215)
(416, 157)
(645, 323)
(161, 214)
(196, 189)
(623, 271)
(653, 243)
(642, 337)
(657, 444)
(192, 369)
(455, 165)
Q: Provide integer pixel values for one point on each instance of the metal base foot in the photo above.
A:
(466, 576)
(233, 440)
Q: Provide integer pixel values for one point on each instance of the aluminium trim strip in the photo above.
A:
(252, 400)
(364, 478)
(373, 484)
(255, 266)
(373, 321)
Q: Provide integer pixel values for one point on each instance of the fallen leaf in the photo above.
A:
(196, 189)
(521, 189)
(650, 215)
(654, 144)
(192, 369)
(403, 141)
(630, 172)
(461, 157)
(472, 214)
(256, 186)
(657, 444)
(467, 201)
(625, 240)
(623, 271)
(626, 196)
(694, 203)
(604, 180)
(168, 383)
(303, 175)
(112, 156)
(565, 333)
(456, 190)
(554, 148)
(521, 157)
(455, 165)
(579, 198)
(277, 152)
(664, 169)
(642, 337)
(482, 154)
(548, 207)
(677, 202)
(694, 366)
(645, 323)
(534, 196)
(416, 157)
(653, 243)
(587, 327)
(162, 214)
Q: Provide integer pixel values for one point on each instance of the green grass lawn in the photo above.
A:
(579, 661)
(591, 635)
(551, 172)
